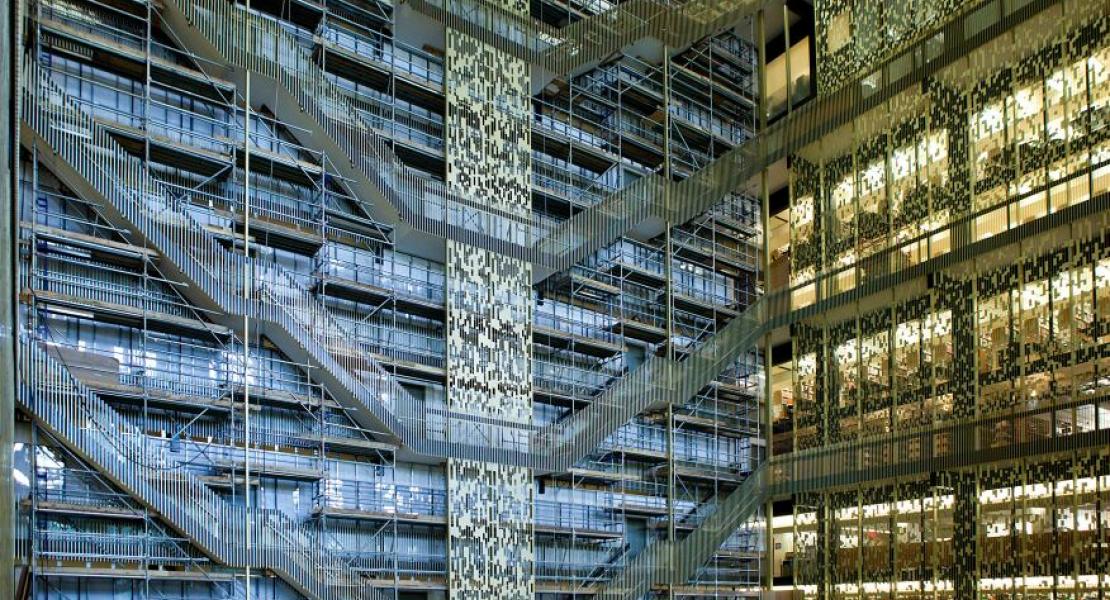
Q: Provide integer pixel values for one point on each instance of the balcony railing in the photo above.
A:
(383, 497)
(570, 516)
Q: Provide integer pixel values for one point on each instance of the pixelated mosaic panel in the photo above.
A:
(489, 334)
(992, 143)
(489, 520)
(853, 35)
(1020, 513)
(990, 378)
(489, 323)
(488, 126)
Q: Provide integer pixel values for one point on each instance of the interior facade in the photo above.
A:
(496, 299)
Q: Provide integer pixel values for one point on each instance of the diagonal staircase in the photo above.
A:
(259, 44)
(656, 383)
(99, 435)
(89, 160)
(106, 440)
(654, 563)
(586, 42)
(226, 32)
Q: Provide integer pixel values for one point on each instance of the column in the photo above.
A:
(489, 320)
(9, 187)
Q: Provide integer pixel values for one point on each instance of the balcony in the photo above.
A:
(381, 501)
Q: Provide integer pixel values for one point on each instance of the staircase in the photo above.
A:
(106, 440)
(654, 564)
(90, 161)
(656, 383)
(585, 42)
(261, 45)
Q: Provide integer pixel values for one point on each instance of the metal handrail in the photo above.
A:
(167, 224)
(924, 450)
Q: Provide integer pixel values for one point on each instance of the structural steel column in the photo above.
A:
(8, 211)
(490, 551)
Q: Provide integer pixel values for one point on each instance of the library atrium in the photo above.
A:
(515, 300)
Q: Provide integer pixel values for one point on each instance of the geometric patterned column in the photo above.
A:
(489, 505)
(965, 534)
(489, 323)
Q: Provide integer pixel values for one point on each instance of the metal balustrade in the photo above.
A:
(740, 253)
(388, 115)
(212, 455)
(371, 44)
(206, 433)
(591, 39)
(576, 437)
(702, 117)
(166, 223)
(109, 442)
(578, 572)
(261, 45)
(120, 103)
(570, 379)
(400, 274)
(575, 320)
(76, 486)
(137, 542)
(730, 415)
(689, 447)
(200, 367)
(383, 497)
(414, 344)
(652, 566)
(574, 182)
(571, 191)
(569, 515)
(116, 547)
(76, 276)
(175, 116)
(634, 254)
(386, 565)
(562, 120)
(306, 330)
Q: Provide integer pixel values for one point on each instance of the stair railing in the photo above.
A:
(166, 223)
(109, 441)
